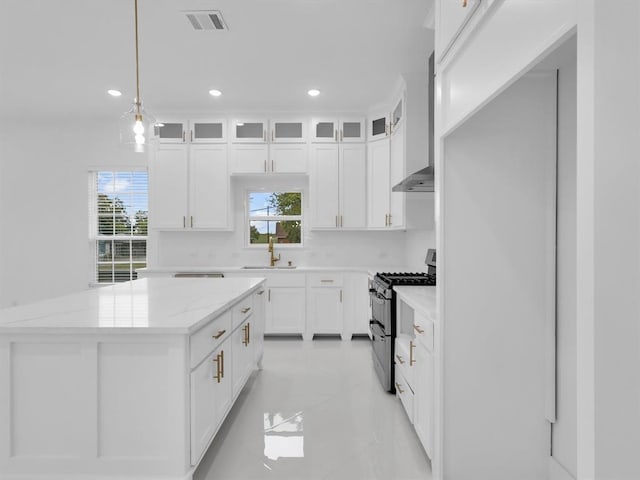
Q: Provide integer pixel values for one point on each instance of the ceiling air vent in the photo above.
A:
(206, 20)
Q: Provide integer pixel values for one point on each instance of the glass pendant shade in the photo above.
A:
(137, 128)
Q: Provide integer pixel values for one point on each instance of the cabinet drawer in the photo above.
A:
(405, 358)
(242, 310)
(404, 393)
(324, 279)
(209, 337)
(423, 330)
(285, 280)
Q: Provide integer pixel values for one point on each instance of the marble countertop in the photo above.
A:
(420, 298)
(149, 305)
(372, 270)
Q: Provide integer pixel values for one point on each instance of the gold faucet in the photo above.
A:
(272, 259)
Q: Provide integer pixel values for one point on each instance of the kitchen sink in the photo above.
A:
(267, 267)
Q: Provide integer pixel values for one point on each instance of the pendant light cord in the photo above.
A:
(137, 65)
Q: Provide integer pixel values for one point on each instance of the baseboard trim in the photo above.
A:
(557, 471)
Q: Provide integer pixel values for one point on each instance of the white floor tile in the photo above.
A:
(315, 411)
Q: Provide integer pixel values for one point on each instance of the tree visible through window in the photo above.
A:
(119, 213)
(277, 215)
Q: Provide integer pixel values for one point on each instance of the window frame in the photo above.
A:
(248, 218)
(95, 237)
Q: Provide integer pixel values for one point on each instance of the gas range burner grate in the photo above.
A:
(409, 278)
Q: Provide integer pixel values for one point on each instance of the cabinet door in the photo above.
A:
(326, 310)
(325, 186)
(324, 130)
(352, 130)
(452, 18)
(378, 126)
(258, 323)
(249, 158)
(397, 115)
(222, 394)
(168, 181)
(209, 187)
(288, 131)
(208, 131)
(353, 191)
(396, 175)
(248, 130)
(424, 398)
(203, 414)
(172, 131)
(379, 191)
(288, 158)
(285, 310)
(242, 349)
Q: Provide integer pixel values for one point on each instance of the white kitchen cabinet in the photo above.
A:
(210, 130)
(398, 113)
(385, 169)
(189, 188)
(288, 130)
(242, 350)
(257, 328)
(325, 307)
(423, 412)
(334, 130)
(338, 179)
(396, 175)
(267, 159)
(285, 310)
(248, 130)
(453, 15)
(379, 125)
(288, 158)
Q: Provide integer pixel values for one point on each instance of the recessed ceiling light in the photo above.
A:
(215, 93)
(114, 93)
(313, 92)
(240, 124)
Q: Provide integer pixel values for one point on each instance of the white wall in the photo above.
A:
(421, 234)
(44, 203)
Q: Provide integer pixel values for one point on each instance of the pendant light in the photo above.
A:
(137, 127)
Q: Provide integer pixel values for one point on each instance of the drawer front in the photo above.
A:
(205, 340)
(405, 358)
(285, 280)
(242, 310)
(404, 393)
(423, 330)
(325, 279)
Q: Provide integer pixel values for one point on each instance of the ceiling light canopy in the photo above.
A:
(114, 93)
(313, 92)
(136, 126)
(215, 93)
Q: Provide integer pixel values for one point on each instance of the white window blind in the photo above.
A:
(118, 224)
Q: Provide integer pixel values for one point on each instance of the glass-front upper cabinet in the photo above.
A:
(334, 130)
(248, 130)
(379, 125)
(172, 131)
(398, 114)
(208, 131)
(288, 131)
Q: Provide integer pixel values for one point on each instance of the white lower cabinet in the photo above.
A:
(423, 413)
(325, 307)
(242, 349)
(285, 310)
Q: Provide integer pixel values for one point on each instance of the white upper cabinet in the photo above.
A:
(379, 125)
(208, 187)
(288, 158)
(248, 130)
(397, 115)
(168, 187)
(192, 131)
(288, 131)
(333, 130)
(453, 15)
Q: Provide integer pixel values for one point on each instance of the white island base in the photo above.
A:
(130, 381)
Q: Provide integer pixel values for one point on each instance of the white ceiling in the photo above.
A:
(59, 57)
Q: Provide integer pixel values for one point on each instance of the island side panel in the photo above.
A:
(87, 404)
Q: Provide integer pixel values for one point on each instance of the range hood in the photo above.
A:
(423, 179)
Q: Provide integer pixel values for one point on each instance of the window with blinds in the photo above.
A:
(118, 224)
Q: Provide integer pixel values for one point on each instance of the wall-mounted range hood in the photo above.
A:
(423, 179)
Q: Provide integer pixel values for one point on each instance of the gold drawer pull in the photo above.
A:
(418, 329)
(245, 309)
(411, 359)
(220, 333)
(218, 375)
(400, 390)
(326, 281)
(400, 361)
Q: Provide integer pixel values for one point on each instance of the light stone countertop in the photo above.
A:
(420, 298)
(149, 305)
(372, 270)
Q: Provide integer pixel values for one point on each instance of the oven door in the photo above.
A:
(381, 346)
(381, 311)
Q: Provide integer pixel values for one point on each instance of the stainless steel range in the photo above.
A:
(383, 319)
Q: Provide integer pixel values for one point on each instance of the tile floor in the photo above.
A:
(315, 411)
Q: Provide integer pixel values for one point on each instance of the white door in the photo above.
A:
(286, 158)
(288, 131)
(172, 131)
(324, 130)
(378, 125)
(203, 414)
(208, 131)
(285, 310)
(209, 187)
(242, 350)
(353, 186)
(325, 306)
(222, 393)
(249, 158)
(352, 130)
(168, 181)
(248, 130)
(396, 175)
(324, 186)
(378, 194)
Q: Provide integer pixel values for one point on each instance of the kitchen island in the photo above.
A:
(126, 381)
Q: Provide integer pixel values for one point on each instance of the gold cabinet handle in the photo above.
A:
(218, 375)
(418, 329)
(341, 296)
(191, 221)
(411, 359)
(245, 309)
(245, 342)
(390, 220)
(269, 295)
(220, 333)
(464, 3)
(335, 134)
(273, 168)
(191, 136)
(341, 135)
(400, 390)
(261, 292)
(336, 220)
(222, 363)
(184, 222)
(248, 333)
(400, 360)
(272, 135)
(341, 221)
(265, 166)
(386, 220)
(183, 136)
